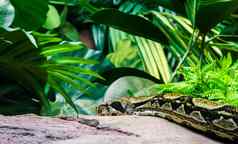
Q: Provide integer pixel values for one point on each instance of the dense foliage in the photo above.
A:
(48, 68)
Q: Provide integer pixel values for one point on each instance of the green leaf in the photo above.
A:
(63, 2)
(53, 18)
(30, 14)
(74, 76)
(59, 76)
(129, 23)
(154, 58)
(44, 39)
(61, 90)
(126, 55)
(73, 69)
(113, 74)
(70, 32)
(59, 49)
(206, 14)
(73, 60)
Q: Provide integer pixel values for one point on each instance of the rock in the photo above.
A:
(32, 129)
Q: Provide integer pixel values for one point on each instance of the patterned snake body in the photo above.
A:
(203, 115)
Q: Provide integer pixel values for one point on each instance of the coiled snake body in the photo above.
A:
(206, 116)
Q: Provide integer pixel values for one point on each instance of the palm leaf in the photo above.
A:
(23, 71)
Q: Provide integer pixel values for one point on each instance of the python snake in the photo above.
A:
(209, 117)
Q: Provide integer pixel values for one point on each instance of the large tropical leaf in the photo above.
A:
(53, 18)
(116, 73)
(29, 14)
(129, 23)
(205, 14)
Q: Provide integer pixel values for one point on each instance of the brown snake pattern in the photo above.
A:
(203, 115)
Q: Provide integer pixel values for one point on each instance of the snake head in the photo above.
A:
(122, 106)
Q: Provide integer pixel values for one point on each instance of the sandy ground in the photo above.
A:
(30, 129)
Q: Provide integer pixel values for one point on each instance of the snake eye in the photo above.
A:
(118, 106)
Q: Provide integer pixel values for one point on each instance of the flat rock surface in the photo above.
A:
(31, 129)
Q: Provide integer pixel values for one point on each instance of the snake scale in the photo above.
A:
(209, 117)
